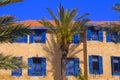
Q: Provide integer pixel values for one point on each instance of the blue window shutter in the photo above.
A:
(113, 35)
(118, 36)
(100, 32)
(77, 67)
(30, 64)
(76, 38)
(89, 34)
(100, 65)
(112, 65)
(44, 36)
(31, 38)
(90, 65)
(43, 67)
(69, 67)
(108, 36)
(25, 38)
(20, 39)
(17, 72)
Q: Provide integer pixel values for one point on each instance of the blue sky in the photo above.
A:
(35, 9)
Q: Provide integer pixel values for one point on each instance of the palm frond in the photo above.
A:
(66, 27)
(5, 2)
(7, 62)
(117, 7)
(6, 20)
(9, 33)
(53, 16)
(48, 24)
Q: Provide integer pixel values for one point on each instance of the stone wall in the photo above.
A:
(105, 49)
(27, 50)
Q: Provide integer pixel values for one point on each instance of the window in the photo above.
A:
(37, 66)
(112, 37)
(72, 66)
(95, 64)
(17, 71)
(38, 36)
(93, 34)
(21, 39)
(76, 38)
(115, 65)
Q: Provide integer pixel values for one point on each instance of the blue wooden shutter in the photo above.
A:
(43, 67)
(112, 65)
(118, 37)
(100, 32)
(113, 36)
(44, 36)
(90, 65)
(113, 61)
(25, 38)
(77, 67)
(69, 67)
(18, 71)
(89, 34)
(108, 36)
(76, 38)
(100, 65)
(30, 68)
(31, 38)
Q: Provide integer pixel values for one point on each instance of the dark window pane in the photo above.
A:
(95, 67)
(37, 35)
(95, 35)
(36, 65)
(19, 39)
(116, 67)
(116, 64)
(36, 60)
(116, 60)
(95, 58)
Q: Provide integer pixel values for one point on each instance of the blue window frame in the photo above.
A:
(17, 71)
(37, 66)
(38, 36)
(72, 66)
(112, 37)
(95, 64)
(93, 34)
(115, 62)
(21, 39)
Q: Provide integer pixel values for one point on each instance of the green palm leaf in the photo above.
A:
(5, 2)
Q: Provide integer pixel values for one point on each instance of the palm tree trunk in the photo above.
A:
(85, 54)
(64, 49)
(63, 67)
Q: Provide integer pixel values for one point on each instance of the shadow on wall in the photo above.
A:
(52, 48)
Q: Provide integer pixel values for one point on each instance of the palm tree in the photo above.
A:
(67, 24)
(9, 29)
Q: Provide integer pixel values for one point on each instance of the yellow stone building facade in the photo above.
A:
(94, 48)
